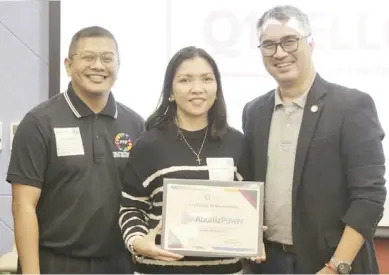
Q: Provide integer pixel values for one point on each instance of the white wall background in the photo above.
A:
(352, 45)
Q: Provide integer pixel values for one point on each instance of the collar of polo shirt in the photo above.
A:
(299, 101)
(80, 109)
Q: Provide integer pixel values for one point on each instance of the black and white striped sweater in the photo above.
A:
(163, 153)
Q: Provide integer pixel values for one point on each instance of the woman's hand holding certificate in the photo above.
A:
(145, 246)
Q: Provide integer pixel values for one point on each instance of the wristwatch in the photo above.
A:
(342, 267)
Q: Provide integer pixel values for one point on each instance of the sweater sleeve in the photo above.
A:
(135, 202)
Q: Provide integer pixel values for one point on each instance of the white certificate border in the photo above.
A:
(221, 253)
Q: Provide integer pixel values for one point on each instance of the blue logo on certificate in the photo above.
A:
(186, 218)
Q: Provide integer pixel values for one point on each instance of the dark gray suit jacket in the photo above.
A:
(339, 171)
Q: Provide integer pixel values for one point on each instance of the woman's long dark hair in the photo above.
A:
(166, 110)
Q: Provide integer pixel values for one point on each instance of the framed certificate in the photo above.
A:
(212, 218)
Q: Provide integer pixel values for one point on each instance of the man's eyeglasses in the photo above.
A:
(288, 44)
(107, 58)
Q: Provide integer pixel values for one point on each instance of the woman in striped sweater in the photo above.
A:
(189, 126)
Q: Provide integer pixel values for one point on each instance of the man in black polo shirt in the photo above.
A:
(68, 156)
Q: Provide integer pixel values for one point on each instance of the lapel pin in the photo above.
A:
(314, 108)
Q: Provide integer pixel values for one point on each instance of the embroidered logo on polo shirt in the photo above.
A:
(124, 144)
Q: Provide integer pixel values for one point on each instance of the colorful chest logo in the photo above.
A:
(123, 142)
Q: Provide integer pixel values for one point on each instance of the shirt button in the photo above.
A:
(97, 136)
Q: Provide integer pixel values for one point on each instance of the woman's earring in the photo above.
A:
(171, 99)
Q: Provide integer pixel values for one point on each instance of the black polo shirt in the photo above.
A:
(76, 158)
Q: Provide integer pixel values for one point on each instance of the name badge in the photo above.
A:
(69, 141)
(221, 168)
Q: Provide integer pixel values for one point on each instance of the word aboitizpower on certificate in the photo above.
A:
(212, 218)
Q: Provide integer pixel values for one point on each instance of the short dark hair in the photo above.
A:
(166, 111)
(93, 31)
(284, 13)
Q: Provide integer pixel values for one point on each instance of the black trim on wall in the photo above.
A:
(54, 47)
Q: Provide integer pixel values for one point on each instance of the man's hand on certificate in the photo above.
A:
(260, 258)
(146, 246)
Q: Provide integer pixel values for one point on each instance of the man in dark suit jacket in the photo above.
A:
(318, 148)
